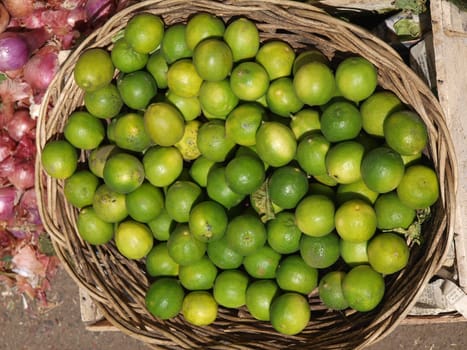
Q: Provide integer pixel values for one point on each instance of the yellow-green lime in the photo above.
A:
(341, 121)
(104, 102)
(217, 99)
(314, 83)
(93, 69)
(391, 213)
(158, 67)
(355, 220)
(144, 32)
(242, 36)
(199, 275)
(125, 58)
(183, 78)
(290, 313)
(83, 130)
(243, 122)
(164, 123)
(419, 187)
(212, 141)
(263, 263)
(223, 256)
(281, 97)
(304, 121)
(314, 215)
(183, 247)
(162, 165)
(343, 161)
(199, 308)
(123, 172)
(311, 153)
(275, 143)
(180, 198)
(249, 81)
(164, 298)
(201, 26)
(354, 253)
(129, 132)
(355, 190)
(356, 78)
(213, 59)
(145, 203)
(208, 221)
(109, 205)
(320, 252)
(330, 290)
(133, 239)
(59, 159)
(376, 108)
(230, 288)
(296, 275)
(283, 233)
(162, 226)
(160, 263)
(259, 296)
(92, 228)
(189, 107)
(388, 253)
(277, 57)
(80, 187)
(173, 46)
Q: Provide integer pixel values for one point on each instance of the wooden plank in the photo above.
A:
(370, 5)
(449, 26)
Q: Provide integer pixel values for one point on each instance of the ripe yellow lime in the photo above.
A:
(314, 215)
(388, 253)
(281, 97)
(320, 252)
(189, 107)
(123, 172)
(213, 59)
(183, 247)
(343, 161)
(330, 290)
(199, 275)
(314, 83)
(199, 308)
(391, 213)
(230, 288)
(283, 234)
(129, 132)
(162, 165)
(376, 108)
(84, 130)
(93, 69)
(173, 46)
(290, 313)
(145, 203)
(244, 174)
(382, 169)
(295, 275)
(80, 187)
(164, 298)
(243, 122)
(59, 159)
(218, 189)
(363, 288)
(242, 36)
(354, 253)
(164, 123)
(246, 234)
(180, 198)
(307, 56)
(311, 153)
(158, 68)
(217, 99)
(144, 32)
(137, 89)
(125, 58)
(419, 187)
(183, 79)
(188, 145)
(355, 190)
(201, 26)
(259, 296)
(212, 141)
(160, 263)
(277, 57)
(92, 228)
(275, 143)
(104, 102)
(356, 78)
(405, 132)
(249, 81)
(263, 263)
(133, 239)
(208, 221)
(355, 221)
(341, 121)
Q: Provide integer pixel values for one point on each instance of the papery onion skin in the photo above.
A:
(7, 146)
(99, 10)
(4, 18)
(19, 8)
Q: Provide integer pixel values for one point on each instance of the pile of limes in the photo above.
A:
(245, 173)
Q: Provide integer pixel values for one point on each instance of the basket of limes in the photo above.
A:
(244, 175)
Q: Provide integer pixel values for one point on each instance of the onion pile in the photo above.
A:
(33, 35)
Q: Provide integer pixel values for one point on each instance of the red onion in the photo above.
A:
(7, 146)
(20, 125)
(7, 202)
(4, 18)
(16, 48)
(26, 148)
(28, 207)
(19, 8)
(41, 68)
(23, 175)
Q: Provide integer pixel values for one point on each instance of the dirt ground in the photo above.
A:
(60, 327)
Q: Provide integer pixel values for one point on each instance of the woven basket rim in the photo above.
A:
(86, 265)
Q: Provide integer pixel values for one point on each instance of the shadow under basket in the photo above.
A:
(118, 285)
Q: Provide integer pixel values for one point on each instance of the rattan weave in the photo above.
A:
(118, 286)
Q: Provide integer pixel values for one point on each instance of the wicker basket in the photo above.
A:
(118, 286)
